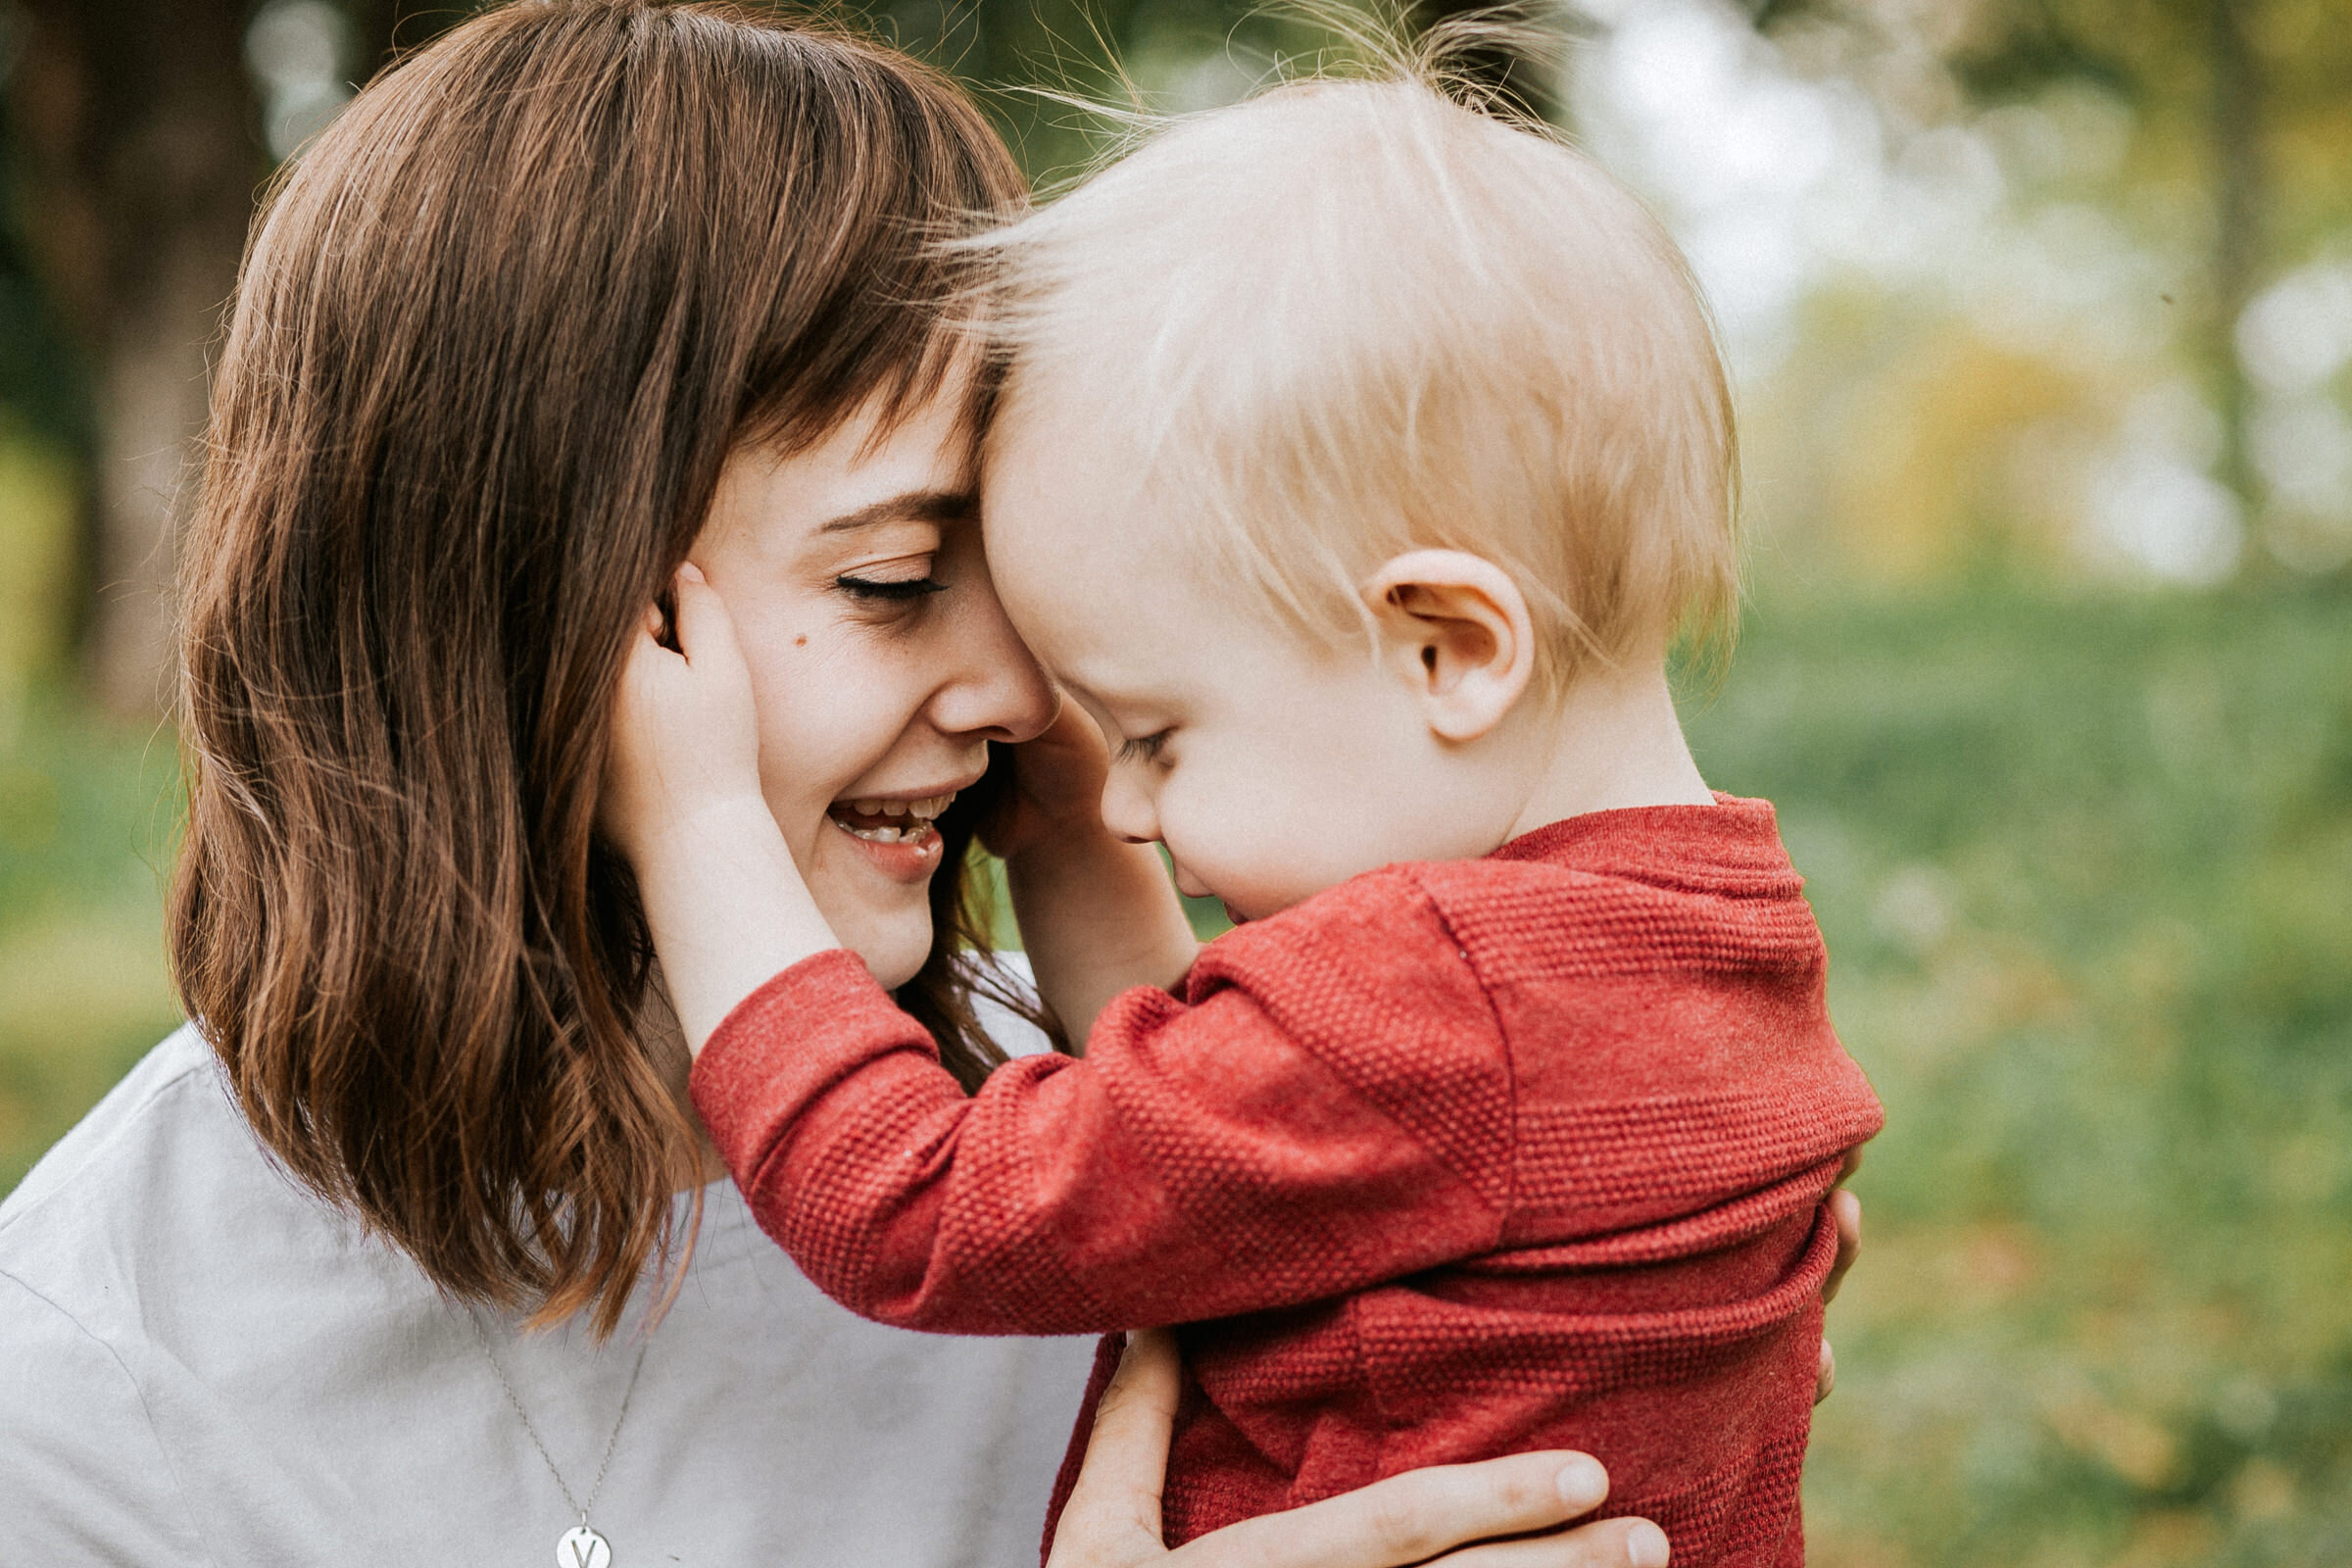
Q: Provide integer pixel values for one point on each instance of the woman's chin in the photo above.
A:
(877, 897)
(892, 935)
(895, 962)
(894, 943)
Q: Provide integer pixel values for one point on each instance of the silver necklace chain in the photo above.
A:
(613, 1441)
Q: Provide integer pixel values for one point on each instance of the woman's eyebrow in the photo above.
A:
(910, 506)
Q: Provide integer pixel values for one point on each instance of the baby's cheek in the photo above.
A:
(1269, 872)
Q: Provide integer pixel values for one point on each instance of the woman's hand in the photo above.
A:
(1846, 1213)
(681, 799)
(1113, 1520)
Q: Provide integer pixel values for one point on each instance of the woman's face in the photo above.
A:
(881, 662)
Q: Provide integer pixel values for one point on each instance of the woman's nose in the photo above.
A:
(996, 690)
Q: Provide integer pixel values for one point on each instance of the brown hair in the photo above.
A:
(498, 329)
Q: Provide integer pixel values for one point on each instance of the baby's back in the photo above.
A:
(1671, 1111)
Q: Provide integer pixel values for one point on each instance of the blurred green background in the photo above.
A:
(2041, 312)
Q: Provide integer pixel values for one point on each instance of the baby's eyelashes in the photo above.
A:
(1147, 749)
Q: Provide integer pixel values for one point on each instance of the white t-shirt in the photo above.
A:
(201, 1362)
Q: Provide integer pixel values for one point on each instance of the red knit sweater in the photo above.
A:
(1452, 1160)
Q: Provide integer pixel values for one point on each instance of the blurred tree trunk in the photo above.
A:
(2239, 179)
(140, 154)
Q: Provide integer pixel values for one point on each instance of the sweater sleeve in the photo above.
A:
(1256, 1147)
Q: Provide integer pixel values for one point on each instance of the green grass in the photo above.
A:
(2085, 869)
(86, 814)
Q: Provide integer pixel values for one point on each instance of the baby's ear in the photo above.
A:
(1455, 628)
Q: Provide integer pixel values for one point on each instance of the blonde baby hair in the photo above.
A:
(1345, 318)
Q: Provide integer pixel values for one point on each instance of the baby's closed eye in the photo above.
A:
(1144, 748)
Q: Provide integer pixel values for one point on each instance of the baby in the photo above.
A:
(1356, 460)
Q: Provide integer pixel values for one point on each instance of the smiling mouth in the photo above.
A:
(881, 821)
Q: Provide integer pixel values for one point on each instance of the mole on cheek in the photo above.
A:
(801, 641)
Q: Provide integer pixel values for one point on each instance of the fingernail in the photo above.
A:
(1582, 1482)
(1645, 1545)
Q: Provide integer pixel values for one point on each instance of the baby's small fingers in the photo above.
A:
(1825, 1379)
(645, 655)
(704, 625)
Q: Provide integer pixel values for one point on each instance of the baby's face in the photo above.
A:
(1270, 767)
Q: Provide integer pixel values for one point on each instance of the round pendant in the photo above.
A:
(582, 1548)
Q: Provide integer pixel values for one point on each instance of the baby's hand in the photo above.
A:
(685, 737)
(1096, 912)
(725, 904)
(1056, 787)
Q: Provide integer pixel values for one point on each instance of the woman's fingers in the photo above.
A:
(1611, 1543)
(1846, 1213)
(1112, 1517)
(1113, 1520)
(1413, 1517)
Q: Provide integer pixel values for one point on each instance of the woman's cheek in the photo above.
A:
(796, 798)
(815, 742)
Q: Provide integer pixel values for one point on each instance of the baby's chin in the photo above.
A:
(1244, 905)
(1244, 898)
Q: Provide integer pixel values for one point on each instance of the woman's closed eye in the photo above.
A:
(889, 589)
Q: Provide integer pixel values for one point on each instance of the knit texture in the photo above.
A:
(1455, 1160)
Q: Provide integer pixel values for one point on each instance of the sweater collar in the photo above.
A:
(1734, 842)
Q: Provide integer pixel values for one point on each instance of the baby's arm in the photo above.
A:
(728, 907)
(1096, 914)
(1201, 1162)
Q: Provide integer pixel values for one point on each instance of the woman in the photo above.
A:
(339, 1279)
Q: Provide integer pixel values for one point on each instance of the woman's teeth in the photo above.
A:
(880, 821)
(887, 835)
(930, 806)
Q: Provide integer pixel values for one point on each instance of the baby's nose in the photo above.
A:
(1127, 811)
